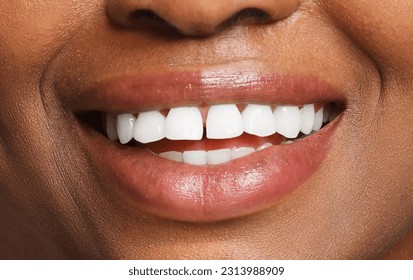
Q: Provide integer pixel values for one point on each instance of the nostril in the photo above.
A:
(144, 14)
(249, 15)
(148, 20)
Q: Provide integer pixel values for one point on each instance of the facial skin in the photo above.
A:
(55, 203)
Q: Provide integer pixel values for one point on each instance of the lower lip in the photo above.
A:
(210, 193)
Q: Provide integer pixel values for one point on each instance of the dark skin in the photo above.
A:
(55, 204)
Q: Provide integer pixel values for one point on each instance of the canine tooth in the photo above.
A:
(258, 120)
(263, 146)
(241, 152)
(288, 120)
(326, 114)
(218, 156)
(195, 157)
(172, 155)
(224, 121)
(149, 127)
(307, 118)
(318, 120)
(111, 130)
(184, 123)
(125, 123)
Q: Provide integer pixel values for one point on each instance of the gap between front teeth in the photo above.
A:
(223, 121)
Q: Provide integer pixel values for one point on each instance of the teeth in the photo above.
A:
(111, 130)
(172, 155)
(318, 120)
(307, 118)
(241, 152)
(195, 157)
(125, 123)
(258, 120)
(326, 114)
(288, 142)
(218, 156)
(288, 121)
(213, 157)
(184, 123)
(149, 127)
(264, 146)
(223, 122)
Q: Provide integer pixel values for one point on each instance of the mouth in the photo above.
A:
(201, 147)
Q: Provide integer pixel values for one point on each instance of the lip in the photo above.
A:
(206, 193)
(150, 91)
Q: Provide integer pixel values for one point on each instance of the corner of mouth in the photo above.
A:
(213, 135)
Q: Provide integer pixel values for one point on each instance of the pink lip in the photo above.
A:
(207, 193)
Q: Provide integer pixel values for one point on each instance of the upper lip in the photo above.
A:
(206, 193)
(144, 92)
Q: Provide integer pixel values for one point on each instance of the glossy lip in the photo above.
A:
(149, 91)
(206, 193)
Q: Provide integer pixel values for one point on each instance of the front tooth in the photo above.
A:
(184, 123)
(224, 121)
(241, 152)
(111, 130)
(318, 119)
(125, 123)
(172, 155)
(288, 120)
(258, 120)
(307, 118)
(149, 127)
(218, 156)
(195, 157)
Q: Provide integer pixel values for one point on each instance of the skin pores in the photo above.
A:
(57, 201)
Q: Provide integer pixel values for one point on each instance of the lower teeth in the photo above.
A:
(214, 157)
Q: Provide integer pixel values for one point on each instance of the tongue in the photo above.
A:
(245, 140)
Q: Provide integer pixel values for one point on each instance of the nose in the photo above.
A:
(200, 17)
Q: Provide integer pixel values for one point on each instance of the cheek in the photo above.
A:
(32, 31)
(374, 25)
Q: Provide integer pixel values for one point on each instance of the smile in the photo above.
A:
(224, 121)
(187, 148)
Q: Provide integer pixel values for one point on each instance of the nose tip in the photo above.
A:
(199, 17)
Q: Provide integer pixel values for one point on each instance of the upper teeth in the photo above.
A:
(222, 122)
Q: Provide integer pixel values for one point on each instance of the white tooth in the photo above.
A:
(288, 142)
(125, 123)
(218, 156)
(224, 121)
(263, 146)
(307, 118)
(149, 127)
(241, 152)
(172, 155)
(195, 157)
(258, 120)
(318, 120)
(184, 123)
(111, 130)
(288, 120)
